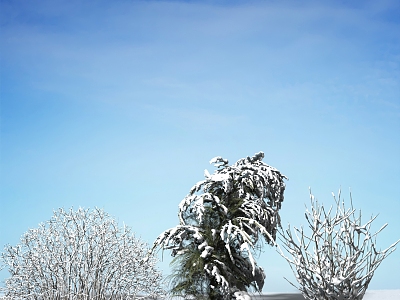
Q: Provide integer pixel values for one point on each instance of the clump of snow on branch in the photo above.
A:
(241, 296)
(338, 259)
(82, 255)
(244, 200)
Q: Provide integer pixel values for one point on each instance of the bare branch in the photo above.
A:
(344, 257)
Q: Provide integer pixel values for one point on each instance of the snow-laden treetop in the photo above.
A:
(224, 215)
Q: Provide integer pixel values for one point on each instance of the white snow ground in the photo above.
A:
(369, 295)
(382, 295)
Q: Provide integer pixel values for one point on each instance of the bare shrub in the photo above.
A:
(339, 258)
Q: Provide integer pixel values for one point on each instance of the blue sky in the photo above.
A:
(121, 104)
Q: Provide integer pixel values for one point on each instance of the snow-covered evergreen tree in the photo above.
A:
(223, 220)
(338, 258)
(81, 255)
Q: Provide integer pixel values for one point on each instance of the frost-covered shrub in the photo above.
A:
(338, 259)
(222, 221)
(82, 255)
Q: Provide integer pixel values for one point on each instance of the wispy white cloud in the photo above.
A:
(205, 55)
